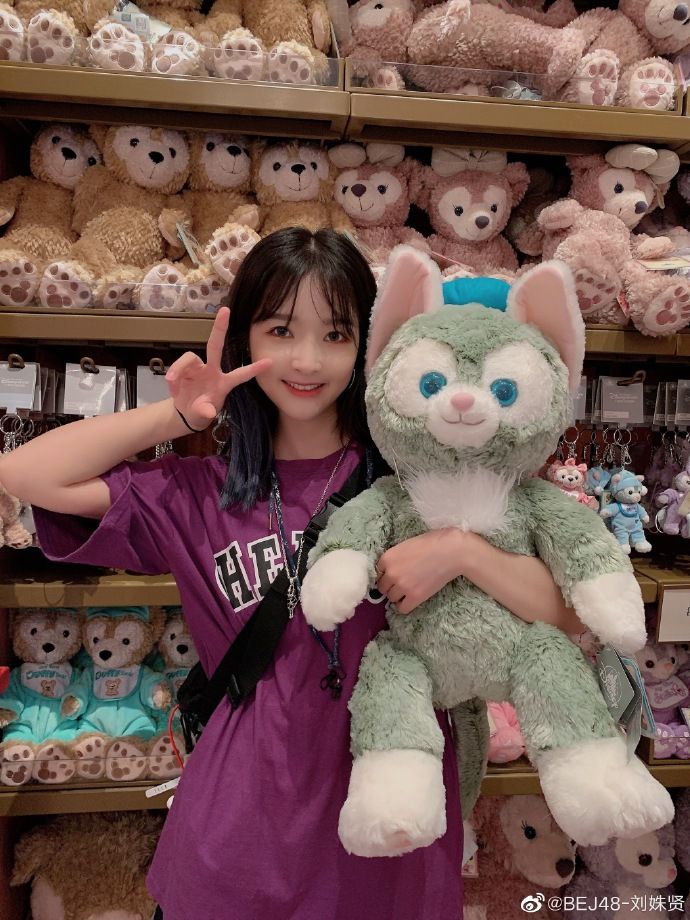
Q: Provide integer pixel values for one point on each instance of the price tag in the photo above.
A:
(673, 623)
(623, 405)
(87, 393)
(18, 385)
(151, 387)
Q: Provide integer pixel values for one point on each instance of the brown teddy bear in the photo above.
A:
(12, 532)
(121, 697)
(520, 846)
(469, 195)
(375, 189)
(89, 867)
(176, 647)
(44, 34)
(37, 213)
(221, 211)
(293, 182)
(126, 213)
(592, 231)
(39, 709)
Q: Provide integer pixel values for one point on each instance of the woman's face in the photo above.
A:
(312, 359)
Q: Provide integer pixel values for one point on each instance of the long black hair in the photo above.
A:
(268, 277)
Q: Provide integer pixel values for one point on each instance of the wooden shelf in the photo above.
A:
(520, 779)
(683, 346)
(78, 94)
(416, 118)
(611, 340)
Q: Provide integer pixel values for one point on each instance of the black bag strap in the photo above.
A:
(249, 656)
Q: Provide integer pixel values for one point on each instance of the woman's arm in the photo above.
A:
(418, 568)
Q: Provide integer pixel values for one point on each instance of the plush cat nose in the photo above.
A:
(681, 12)
(156, 157)
(462, 401)
(182, 649)
(105, 654)
(358, 189)
(234, 151)
(298, 168)
(482, 221)
(68, 153)
(48, 647)
(640, 207)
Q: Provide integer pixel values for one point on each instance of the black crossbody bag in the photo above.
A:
(249, 656)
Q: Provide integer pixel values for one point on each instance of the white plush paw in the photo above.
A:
(162, 761)
(594, 293)
(333, 587)
(16, 760)
(125, 761)
(19, 280)
(49, 40)
(54, 765)
(89, 753)
(388, 77)
(62, 289)
(644, 546)
(227, 251)
(286, 65)
(115, 47)
(596, 78)
(611, 606)
(668, 312)
(11, 37)
(594, 793)
(652, 86)
(396, 803)
(114, 295)
(162, 290)
(176, 53)
(239, 56)
(205, 296)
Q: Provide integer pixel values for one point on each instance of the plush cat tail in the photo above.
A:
(545, 297)
(411, 285)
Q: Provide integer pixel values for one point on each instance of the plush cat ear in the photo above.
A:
(545, 297)
(411, 285)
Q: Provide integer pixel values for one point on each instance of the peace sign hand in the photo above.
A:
(199, 389)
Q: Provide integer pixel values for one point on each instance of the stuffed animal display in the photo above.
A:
(463, 402)
(674, 502)
(660, 665)
(571, 478)
(89, 867)
(625, 514)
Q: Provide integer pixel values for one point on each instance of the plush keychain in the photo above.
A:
(674, 504)
(464, 403)
(625, 514)
(570, 477)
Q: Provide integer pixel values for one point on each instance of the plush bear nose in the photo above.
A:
(681, 12)
(48, 647)
(68, 153)
(640, 207)
(105, 654)
(182, 649)
(298, 168)
(234, 151)
(564, 867)
(359, 189)
(462, 401)
(156, 157)
(482, 221)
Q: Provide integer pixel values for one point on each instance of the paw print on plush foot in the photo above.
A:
(19, 280)
(11, 37)
(54, 765)
(62, 288)
(239, 56)
(125, 762)
(288, 65)
(162, 761)
(667, 312)
(176, 53)
(228, 250)
(89, 758)
(205, 296)
(594, 294)
(162, 290)
(597, 78)
(114, 47)
(16, 761)
(49, 40)
(652, 87)
(114, 295)
(388, 78)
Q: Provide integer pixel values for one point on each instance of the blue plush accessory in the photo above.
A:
(141, 613)
(489, 292)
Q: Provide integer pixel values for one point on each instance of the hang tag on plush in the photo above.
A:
(190, 243)
(148, 28)
(621, 695)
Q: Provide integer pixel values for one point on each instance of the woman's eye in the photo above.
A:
(335, 336)
(280, 332)
(430, 384)
(505, 391)
(618, 188)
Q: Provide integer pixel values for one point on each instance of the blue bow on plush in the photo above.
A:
(490, 292)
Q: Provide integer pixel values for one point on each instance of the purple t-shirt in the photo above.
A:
(252, 833)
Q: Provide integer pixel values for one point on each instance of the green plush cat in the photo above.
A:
(465, 403)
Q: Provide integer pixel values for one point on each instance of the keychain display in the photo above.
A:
(673, 517)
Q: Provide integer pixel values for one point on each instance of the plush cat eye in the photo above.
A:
(432, 383)
(505, 391)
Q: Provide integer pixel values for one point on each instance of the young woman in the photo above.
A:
(252, 832)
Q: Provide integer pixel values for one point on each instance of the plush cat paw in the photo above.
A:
(333, 587)
(611, 606)
(396, 803)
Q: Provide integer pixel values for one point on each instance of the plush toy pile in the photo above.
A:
(82, 704)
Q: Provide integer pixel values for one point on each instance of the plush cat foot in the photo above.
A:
(594, 793)
(333, 587)
(54, 765)
(396, 803)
